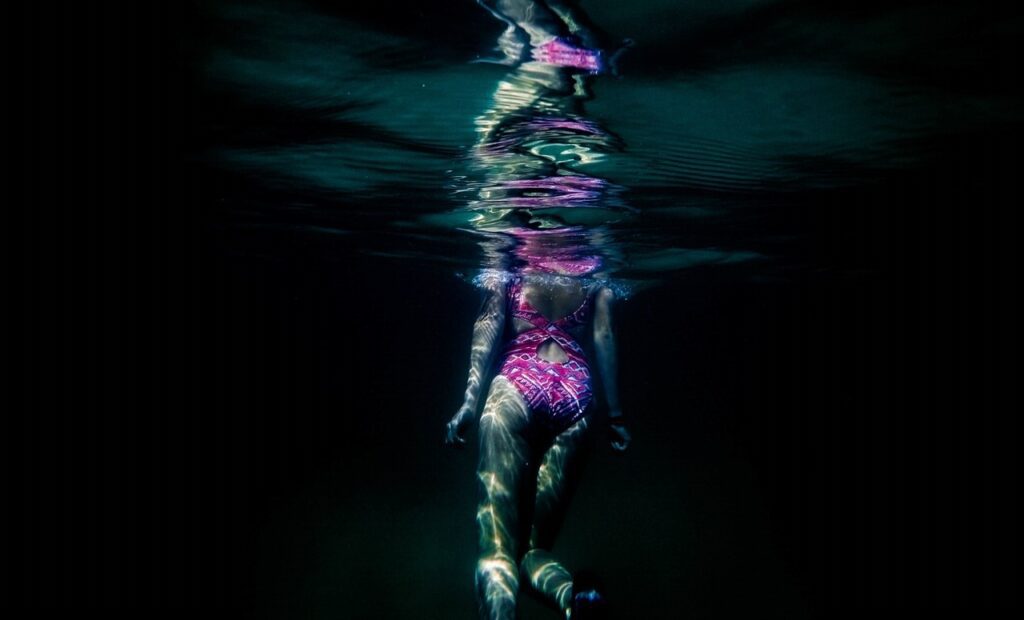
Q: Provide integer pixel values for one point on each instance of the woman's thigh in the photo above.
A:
(503, 467)
(557, 477)
(504, 425)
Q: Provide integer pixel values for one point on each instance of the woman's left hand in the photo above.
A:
(620, 435)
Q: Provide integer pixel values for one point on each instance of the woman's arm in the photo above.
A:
(604, 347)
(607, 364)
(487, 331)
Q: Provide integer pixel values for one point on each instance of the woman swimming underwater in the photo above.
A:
(536, 417)
(546, 318)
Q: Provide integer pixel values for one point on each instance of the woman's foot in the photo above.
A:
(587, 601)
(587, 605)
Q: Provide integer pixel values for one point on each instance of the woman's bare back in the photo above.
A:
(553, 301)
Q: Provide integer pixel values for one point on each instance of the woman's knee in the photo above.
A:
(497, 576)
(532, 555)
(539, 567)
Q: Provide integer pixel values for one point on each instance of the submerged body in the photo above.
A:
(534, 427)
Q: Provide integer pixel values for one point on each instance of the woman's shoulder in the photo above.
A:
(494, 280)
(606, 289)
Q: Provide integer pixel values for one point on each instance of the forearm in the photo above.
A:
(605, 351)
(486, 333)
(607, 363)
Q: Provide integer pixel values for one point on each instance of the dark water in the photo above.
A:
(811, 210)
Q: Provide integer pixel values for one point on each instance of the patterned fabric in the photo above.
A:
(557, 392)
(561, 52)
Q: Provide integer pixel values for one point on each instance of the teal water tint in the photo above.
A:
(745, 179)
(368, 129)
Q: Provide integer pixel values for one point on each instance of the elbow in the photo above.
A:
(496, 317)
(490, 321)
(492, 313)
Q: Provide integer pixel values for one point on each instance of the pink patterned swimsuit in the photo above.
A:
(558, 393)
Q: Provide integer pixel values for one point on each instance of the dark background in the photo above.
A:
(204, 419)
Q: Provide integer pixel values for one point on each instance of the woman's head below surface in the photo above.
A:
(565, 266)
(565, 252)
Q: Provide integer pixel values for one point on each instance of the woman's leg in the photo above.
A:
(533, 17)
(504, 461)
(579, 23)
(556, 481)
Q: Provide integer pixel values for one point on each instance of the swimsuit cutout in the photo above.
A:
(558, 392)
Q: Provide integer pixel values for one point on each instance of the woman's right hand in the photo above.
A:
(456, 428)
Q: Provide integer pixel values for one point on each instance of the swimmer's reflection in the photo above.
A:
(531, 163)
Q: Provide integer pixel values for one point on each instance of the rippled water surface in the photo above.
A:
(346, 122)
